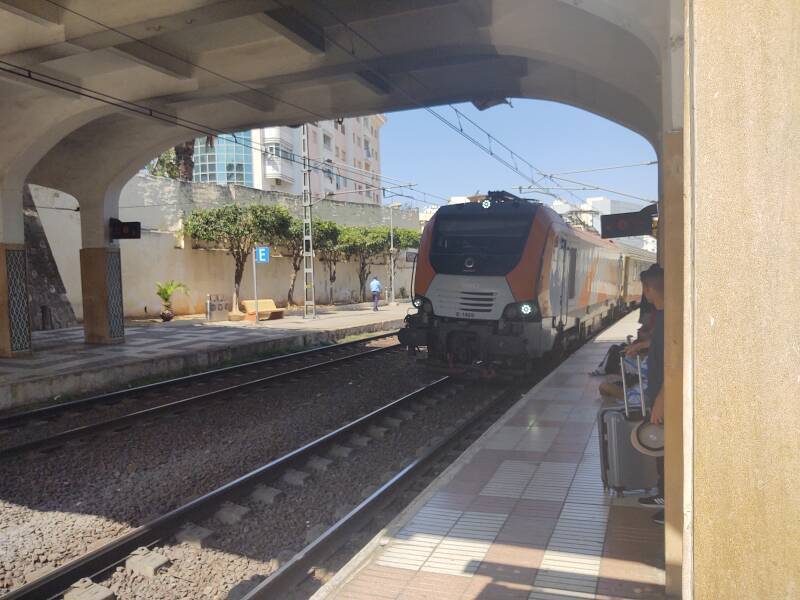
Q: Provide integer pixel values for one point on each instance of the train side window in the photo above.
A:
(573, 263)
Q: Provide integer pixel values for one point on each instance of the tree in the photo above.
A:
(177, 162)
(238, 228)
(292, 247)
(184, 160)
(406, 238)
(164, 165)
(165, 291)
(326, 246)
(365, 245)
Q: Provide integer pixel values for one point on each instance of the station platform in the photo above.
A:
(522, 514)
(63, 365)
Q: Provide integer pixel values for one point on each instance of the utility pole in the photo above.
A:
(391, 251)
(309, 299)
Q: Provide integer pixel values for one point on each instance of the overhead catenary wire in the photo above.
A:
(612, 168)
(605, 189)
(149, 112)
(487, 147)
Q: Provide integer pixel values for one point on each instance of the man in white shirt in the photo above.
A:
(375, 287)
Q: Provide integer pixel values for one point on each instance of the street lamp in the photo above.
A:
(391, 251)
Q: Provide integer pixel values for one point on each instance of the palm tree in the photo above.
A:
(184, 157)
(165, 291)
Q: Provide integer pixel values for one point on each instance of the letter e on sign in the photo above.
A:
(262, 254)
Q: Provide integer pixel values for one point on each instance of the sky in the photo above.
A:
(418, 148)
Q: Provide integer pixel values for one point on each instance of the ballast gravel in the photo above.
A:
(178, 391)
(239, 556)
(55, 507)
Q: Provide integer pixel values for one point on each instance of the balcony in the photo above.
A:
(278, 168)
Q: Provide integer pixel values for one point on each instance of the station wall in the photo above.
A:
(163, 254)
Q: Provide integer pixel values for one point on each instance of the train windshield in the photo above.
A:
(485, 244)
(487, 235)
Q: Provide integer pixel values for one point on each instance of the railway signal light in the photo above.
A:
(629, 224)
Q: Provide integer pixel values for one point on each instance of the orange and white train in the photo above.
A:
(505, 281)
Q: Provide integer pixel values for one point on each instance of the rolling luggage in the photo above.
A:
(623, 467)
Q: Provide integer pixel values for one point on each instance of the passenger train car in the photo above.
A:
(506, 281)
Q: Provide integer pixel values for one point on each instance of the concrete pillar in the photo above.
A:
(15, 322)
(101, 286)
(101, 276)
(741, 310)
(671, 230)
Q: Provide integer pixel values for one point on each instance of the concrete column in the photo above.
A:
(671, 229)
(15, 322)
(741, 310)
(101, 276)
(101, 284)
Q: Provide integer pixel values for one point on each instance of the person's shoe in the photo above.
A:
(656, 501)
(658, 518)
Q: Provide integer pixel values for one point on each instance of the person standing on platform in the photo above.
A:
(375, 287)
(653, 287)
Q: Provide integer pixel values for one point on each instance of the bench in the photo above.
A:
(266, 309)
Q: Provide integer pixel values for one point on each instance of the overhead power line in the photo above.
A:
(184, 60)
(641, 164)
(590, 187)
(199, 128)
(512, 160)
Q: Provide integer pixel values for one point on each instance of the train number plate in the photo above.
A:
(462, 314)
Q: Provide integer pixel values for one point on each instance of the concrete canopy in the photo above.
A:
(233, 64)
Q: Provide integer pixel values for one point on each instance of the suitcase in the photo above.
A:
(623, 468)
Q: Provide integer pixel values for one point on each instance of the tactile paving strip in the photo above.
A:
(551, 482)
(443, 541)
(417, 540)
(571, 562)
(510, 479)
(463, 549)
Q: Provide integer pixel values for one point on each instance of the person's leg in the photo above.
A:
(375, 296)
(612, 390)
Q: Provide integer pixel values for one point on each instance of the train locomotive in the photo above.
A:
(505, 282)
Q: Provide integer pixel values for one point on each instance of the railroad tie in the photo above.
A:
(145, 562)
(86, 589)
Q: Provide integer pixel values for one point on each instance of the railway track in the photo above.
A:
(99, 562)
(104, 563)
(48, 428)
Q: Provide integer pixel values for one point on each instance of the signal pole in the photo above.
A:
(309, 302)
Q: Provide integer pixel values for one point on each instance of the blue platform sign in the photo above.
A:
(262, 254)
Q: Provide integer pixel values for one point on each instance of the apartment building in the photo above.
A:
(345, 156)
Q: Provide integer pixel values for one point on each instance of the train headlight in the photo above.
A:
(522, 311)
(486, 204)
(422, 303)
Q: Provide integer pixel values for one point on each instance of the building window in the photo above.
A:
(228, 160)
(366, 166)
(367, 151)
(328, 171)
(326, 141)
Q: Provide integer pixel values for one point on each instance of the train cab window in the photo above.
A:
(493, 243)
(573, 264)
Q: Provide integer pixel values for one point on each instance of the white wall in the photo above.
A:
(159, 255)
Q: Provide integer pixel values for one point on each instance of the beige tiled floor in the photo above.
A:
(524, 516)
